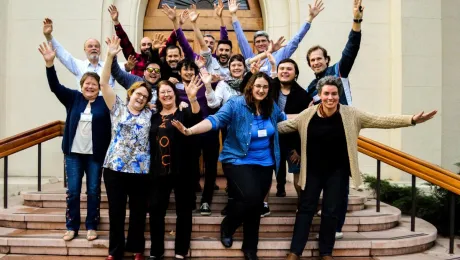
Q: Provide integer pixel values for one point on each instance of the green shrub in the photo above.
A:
(432, 207)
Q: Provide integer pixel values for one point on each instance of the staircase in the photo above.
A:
(36, 228)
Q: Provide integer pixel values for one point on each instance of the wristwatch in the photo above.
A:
(357, 20)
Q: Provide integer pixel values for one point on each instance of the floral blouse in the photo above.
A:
(129, 149)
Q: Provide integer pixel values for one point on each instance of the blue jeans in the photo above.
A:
(75, 166)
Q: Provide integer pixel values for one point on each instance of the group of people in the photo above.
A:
(178, 101)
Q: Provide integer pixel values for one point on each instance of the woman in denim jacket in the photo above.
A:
(249, 156)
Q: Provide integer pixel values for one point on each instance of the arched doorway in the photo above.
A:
(249, 15)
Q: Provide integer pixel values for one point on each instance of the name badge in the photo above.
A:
(86, 117)
(262, 133)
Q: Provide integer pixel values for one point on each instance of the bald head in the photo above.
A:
(146, 44)
(92, 48)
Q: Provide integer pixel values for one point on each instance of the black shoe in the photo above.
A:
(281, 193)
(265, 211)
(225, 239)
(251, 256)
(216, 187)
(224, 211)
(205, 210)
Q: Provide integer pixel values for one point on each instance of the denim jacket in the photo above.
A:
(237, 116)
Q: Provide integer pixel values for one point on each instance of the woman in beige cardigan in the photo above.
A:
(332, 131)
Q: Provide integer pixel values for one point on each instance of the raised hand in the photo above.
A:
(158, 41)
(193, 15)
(47, 28)
(185, 131)
(113, 46)
(233, 6)
(200, 61)
(315, 10)
(173, 80)
(114, 14)
(358, 9)
(255, 66)
(206, 78)
(183, 17)
(182, 105)
(170, 12)
(130, 63)
(422, 117)
(46, 49)
(278, 44)
(219, 8)
(192, 88)
(271, 59)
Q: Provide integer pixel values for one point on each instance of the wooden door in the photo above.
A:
(249, 15)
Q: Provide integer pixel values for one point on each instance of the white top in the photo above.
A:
(83, 140)
(79, 67)
(221, 95)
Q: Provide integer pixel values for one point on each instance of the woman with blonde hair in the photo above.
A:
(127, 162)
(85, 142)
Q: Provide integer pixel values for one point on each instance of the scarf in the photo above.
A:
(234, 83)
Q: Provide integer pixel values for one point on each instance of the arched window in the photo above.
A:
(201, 4)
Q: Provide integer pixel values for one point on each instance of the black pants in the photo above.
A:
(281, 176)
(209, 144)
(159, 200)
(247, 187)
(119, 187)
(334, 185)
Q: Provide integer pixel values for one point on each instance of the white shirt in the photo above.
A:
(221, 95)
(78, 67)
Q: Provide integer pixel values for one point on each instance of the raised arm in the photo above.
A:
(123, 78)
(125, 43)
(243, 43)
(62, 54)
(113, 48)
(368, 120)
(351, 49)
(191, 89)
(218, 8)
(193, 15)
(64, 94)
(293, 44)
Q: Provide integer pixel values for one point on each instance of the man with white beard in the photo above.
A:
(77, 67)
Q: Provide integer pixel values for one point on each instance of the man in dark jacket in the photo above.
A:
(318, 59)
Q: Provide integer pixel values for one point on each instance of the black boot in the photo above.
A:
(250, 256)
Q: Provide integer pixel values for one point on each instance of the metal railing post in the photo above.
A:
(5, 183)
(378, 186)
(414, 201)
(451, 222)
(39, 167)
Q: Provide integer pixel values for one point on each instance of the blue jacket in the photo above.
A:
(75, 103)
(237, 116)
(341, 69)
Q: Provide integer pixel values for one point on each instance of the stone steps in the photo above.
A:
(29, 257)
(57, 199)
(396, 241)
(25, 217)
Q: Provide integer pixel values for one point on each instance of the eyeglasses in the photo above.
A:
(166, 91)
(139, 95)
(150, 70)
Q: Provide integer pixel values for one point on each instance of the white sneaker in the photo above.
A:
(338, 235)
(318, 213)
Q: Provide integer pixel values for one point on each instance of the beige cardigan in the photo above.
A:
(353, 121)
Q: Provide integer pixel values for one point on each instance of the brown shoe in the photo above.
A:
(327, 257)
(293, 256)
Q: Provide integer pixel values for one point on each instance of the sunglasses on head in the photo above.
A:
(150, 70)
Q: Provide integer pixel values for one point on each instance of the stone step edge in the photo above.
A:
(222, 198)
